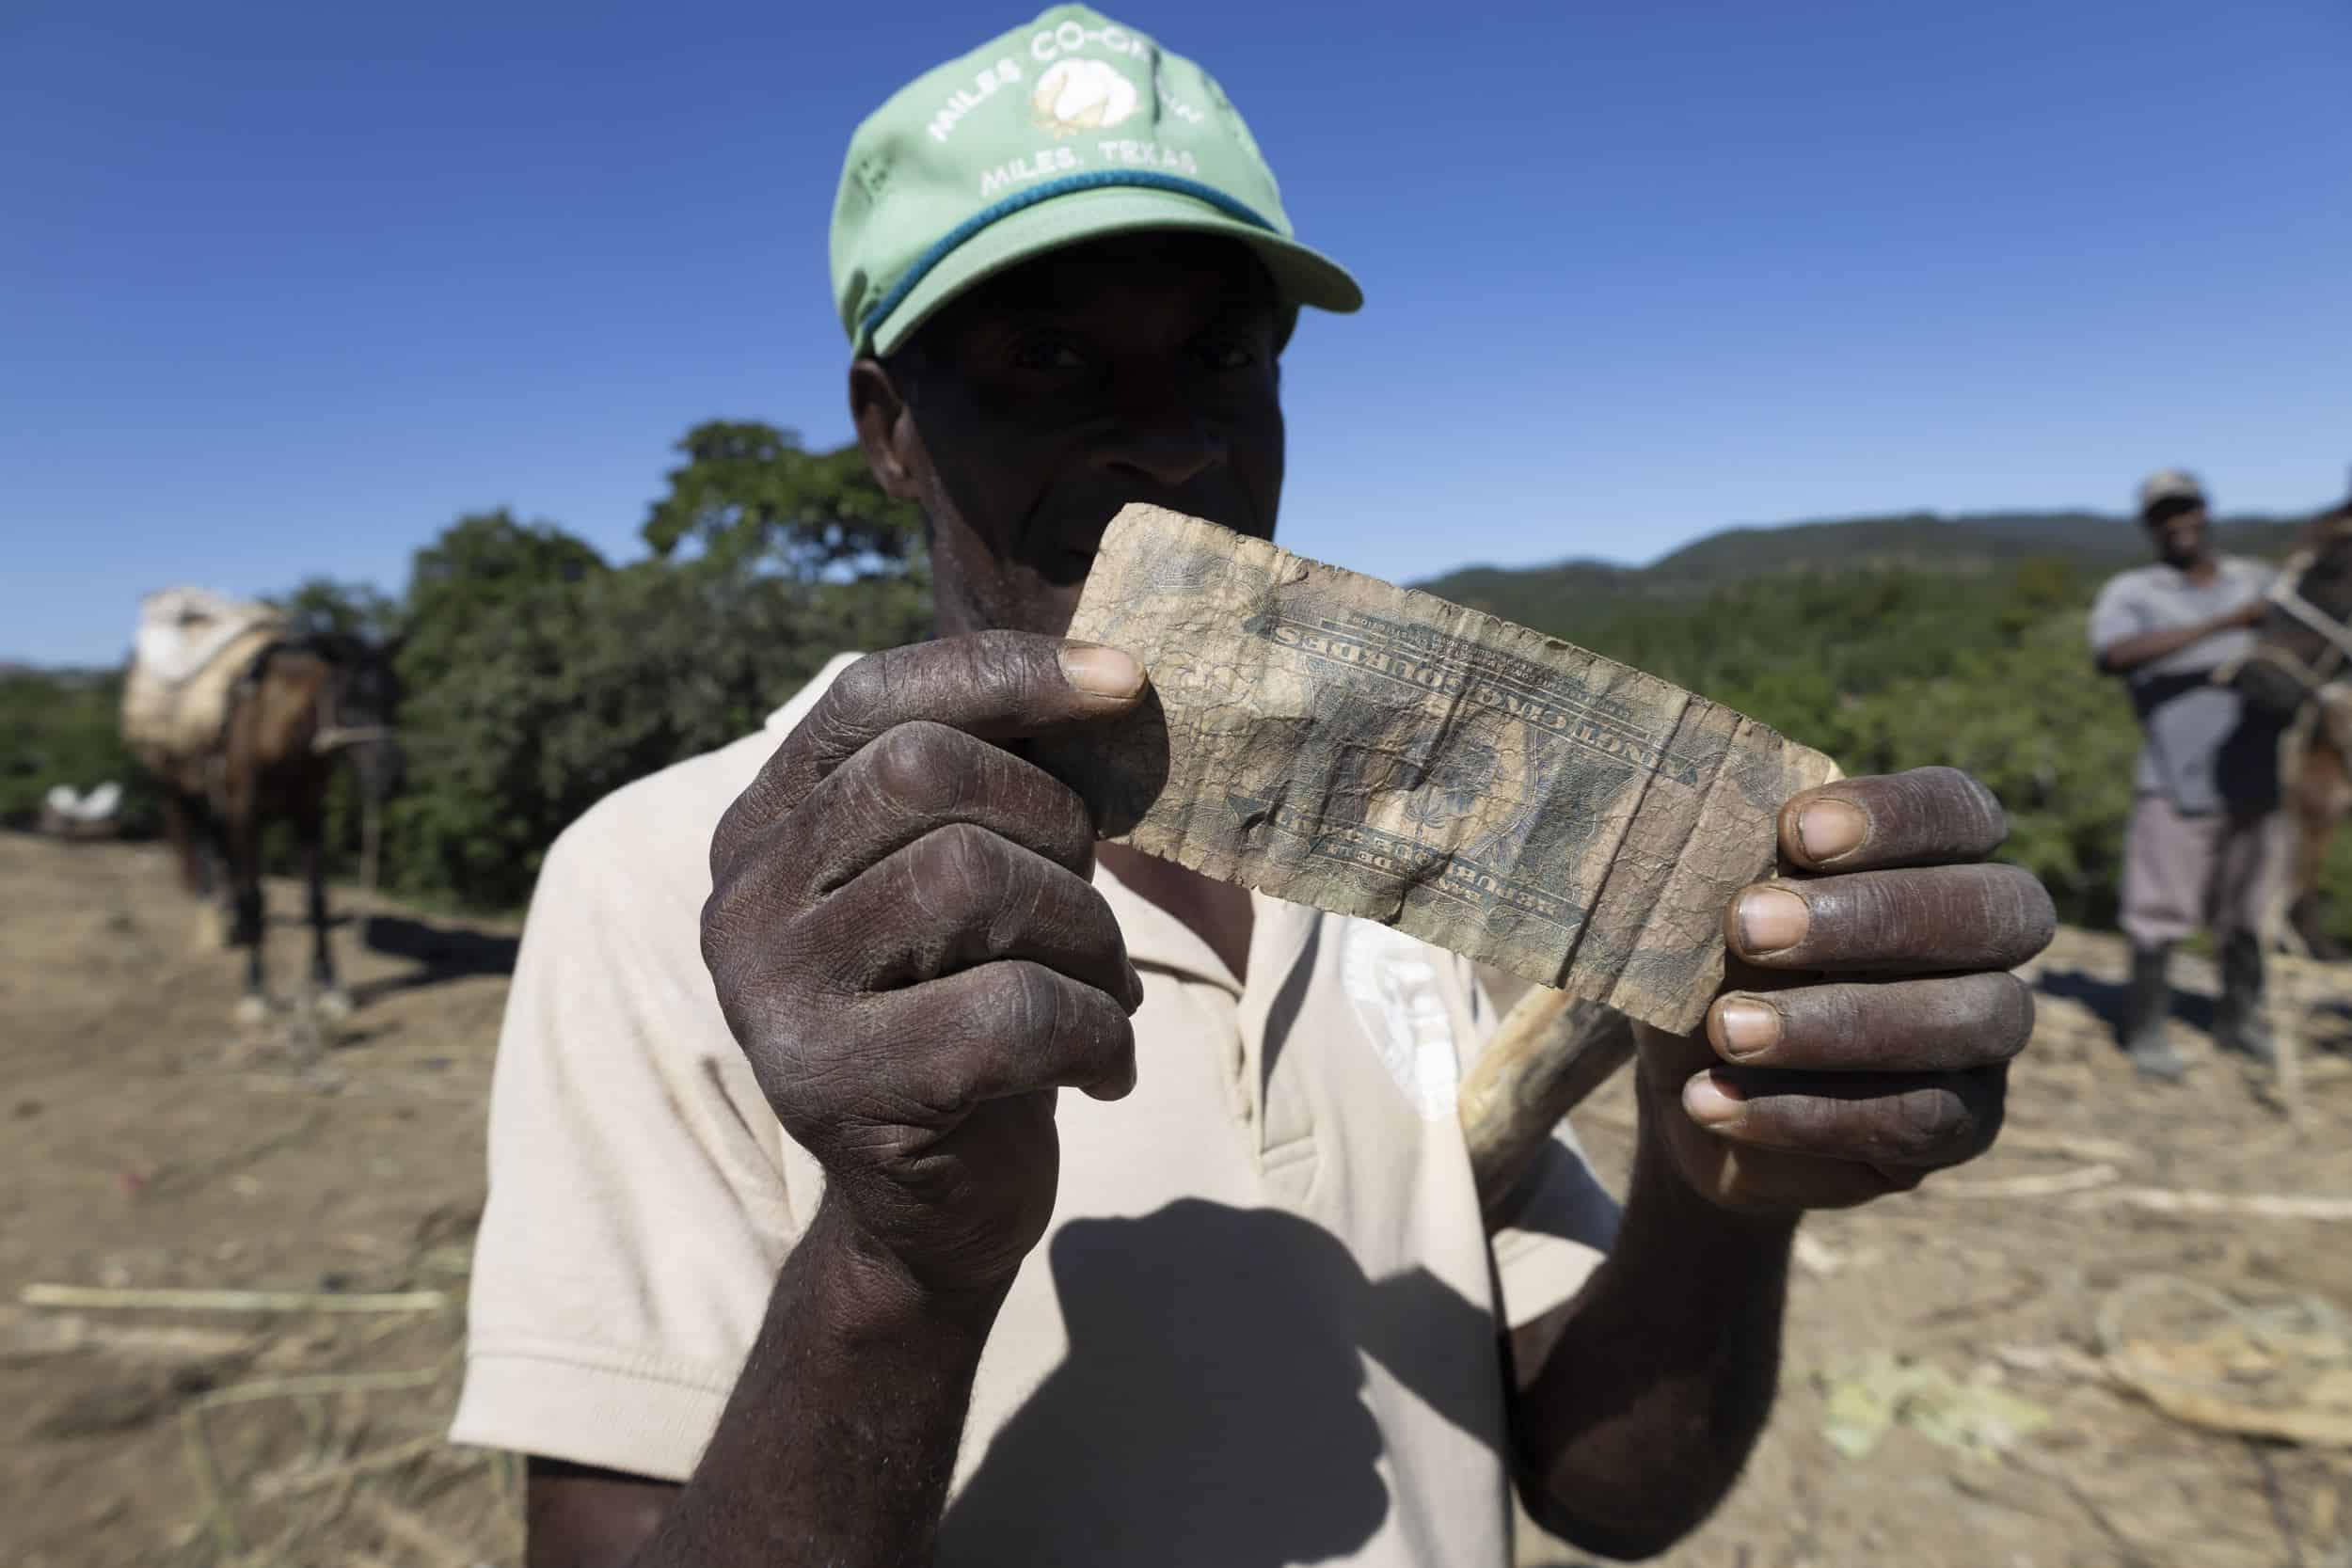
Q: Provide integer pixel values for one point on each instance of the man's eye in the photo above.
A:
(1232, 355)
(1048, 354)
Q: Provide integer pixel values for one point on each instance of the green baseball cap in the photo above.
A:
(1066, 130)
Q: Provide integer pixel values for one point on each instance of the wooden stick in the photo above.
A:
(2113, 1151)
(197, 1449)
(174, 1178)
(322, 1382)
(2263, 1206)
(293, 1483)
(1549, 1053)
(73, 1336)
(101, 1297)
(2090, 1187)
(411, 1532)
(2048, 1185)
(371, 843)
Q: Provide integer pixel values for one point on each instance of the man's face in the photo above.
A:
(2178, 529)
(1134, 369)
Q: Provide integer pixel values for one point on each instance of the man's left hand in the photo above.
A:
(1863, 1033)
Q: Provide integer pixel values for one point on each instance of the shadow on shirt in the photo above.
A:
(1210, 1409)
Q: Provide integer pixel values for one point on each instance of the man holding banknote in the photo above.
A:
(797, 1249)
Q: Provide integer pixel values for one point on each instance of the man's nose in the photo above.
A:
(1160, 443)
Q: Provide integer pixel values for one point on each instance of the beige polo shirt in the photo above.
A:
(1261, 1327)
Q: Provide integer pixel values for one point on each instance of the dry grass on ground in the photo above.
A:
(150, 1145)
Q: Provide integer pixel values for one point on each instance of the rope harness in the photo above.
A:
(2285, 594)
(333, 737)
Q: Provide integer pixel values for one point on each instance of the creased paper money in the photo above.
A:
(1335, 741)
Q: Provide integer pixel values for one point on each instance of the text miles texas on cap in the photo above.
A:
(1066, 130)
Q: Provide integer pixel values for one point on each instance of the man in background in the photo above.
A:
(2206, 843)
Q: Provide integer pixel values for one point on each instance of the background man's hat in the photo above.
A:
(1070, 129)
(2169, 484)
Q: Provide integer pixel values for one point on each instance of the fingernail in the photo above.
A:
(1828, 828)
(1105, 672)
(1747, 1027)
(1713, 1099)
(1771, 918)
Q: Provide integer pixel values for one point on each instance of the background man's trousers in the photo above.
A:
(2220, 872)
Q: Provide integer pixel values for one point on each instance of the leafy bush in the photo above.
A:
(519, 719)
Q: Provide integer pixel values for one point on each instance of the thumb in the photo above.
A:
(992, 684)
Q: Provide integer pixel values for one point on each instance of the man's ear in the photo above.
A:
(886, 430)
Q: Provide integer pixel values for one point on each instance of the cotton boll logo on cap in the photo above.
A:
(1077, 95)
(987, 161)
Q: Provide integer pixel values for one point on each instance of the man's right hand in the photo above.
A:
(2130, 653)
(906, 943)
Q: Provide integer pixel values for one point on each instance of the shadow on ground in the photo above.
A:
(2110, 1000)
(439, 953)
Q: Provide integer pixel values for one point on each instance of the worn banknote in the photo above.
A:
(1335, 741)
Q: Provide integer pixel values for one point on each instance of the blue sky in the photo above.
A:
(285, 288)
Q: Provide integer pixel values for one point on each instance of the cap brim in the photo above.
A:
(1304, 277)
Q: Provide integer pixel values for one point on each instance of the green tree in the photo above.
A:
(323, 605)
(539, 679)
(482, 567)
(490, 611)
(573, 689)
(2038, 725)
(749, 497)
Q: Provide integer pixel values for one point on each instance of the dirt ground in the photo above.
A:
(1982, 1350)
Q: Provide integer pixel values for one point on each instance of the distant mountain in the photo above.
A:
(1921, 541)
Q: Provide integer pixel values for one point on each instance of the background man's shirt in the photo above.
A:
(2202, 752)
(1262, 1326)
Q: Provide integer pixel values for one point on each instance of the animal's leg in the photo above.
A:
(204, 871)
(254, 1005)
(183, 831)
(331, 1000)
(2322, 794)
(220, 886)
(244, 839)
